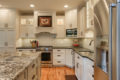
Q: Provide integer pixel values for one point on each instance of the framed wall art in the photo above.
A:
(44, 21)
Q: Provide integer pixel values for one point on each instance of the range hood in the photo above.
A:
(45, 30)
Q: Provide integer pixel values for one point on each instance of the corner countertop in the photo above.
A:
(13, 65)
(86, 53)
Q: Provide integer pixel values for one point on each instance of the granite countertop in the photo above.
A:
(85, 53)
(81, 51)
(25, 48)
(12, 66)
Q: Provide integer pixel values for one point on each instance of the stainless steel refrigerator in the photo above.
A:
(114, 41)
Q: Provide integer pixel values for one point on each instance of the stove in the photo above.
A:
(46, 55)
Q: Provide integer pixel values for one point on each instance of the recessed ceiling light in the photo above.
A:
(66, 6)
(0, 5)
(32, 5)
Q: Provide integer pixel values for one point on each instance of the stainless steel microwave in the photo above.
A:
(71, 32)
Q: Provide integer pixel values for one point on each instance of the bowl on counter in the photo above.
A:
(76, 45)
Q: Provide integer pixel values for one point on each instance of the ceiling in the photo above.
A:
(56, 5)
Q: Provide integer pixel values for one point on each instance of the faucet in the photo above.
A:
(91, 42)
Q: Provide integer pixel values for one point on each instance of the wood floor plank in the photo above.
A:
(56, 73)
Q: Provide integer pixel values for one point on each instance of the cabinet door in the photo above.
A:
(74, 18)
(81, 22)
(69, 57)
(10, 36)
(23, 32)
(3, 18)
(7, 18)
(60, 32)
(68, 22)
(11, 19)
(2, 38)
(71, 18)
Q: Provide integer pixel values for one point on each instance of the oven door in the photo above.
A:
(46, 57)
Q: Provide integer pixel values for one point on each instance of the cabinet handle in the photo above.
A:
(58, 50)
(59, 61)
(81, 33)
(72, 52)
(58, 55)
(77, 65)
(24, 75)
(6, 43)
(33, 65)
(33, 77)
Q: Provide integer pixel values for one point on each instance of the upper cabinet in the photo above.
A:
(81, 22)
(71, 19)
(60, 26)
(7, 18)
(26, 20)
(27, 27)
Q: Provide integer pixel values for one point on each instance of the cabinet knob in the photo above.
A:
(58, 50)
(6, 43)
(93, 76)
(33, 77)
(81, 33)
(33, 65)
(59, 61)
(58, 55)
(93, 66)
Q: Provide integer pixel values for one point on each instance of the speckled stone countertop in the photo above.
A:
(11, 66)
(81, 51)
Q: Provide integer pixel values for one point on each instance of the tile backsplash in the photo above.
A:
(49, 40)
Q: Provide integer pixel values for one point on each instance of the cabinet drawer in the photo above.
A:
(32, 68)
(59, 62)
(59, 51)
(59, 56)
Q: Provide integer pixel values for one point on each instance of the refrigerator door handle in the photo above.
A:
(110, 41)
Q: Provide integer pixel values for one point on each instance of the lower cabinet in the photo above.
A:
(63, 57)
(84, 68)
(58, 57)
(88, 69)
(69, 58)
(22, 76)
(32, 72)
(78, 66)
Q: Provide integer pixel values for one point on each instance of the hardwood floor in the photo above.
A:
(56, 73)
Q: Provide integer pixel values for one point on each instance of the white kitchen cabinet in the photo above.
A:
(60, 26)
(32, 71)
(71, 19)
(38, 68)
(22, 76)
(88, 69)
(7, 18)
(69, 58)
(60, 31)
(7, 40)
(26, 27)
(84, 68)
(78, 66)
(81, 22)
(58, 57)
